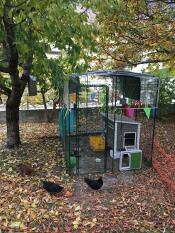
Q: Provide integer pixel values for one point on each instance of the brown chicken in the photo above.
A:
(26, 169)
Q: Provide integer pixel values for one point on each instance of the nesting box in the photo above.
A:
(123, 134)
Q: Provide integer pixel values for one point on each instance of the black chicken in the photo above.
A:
(51, 187)
(94, 184)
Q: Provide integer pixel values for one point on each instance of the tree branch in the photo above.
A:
(167, 2)
(3, 60)
(20, 4)
(4, 70)
(109, 54)
(22, 21)
(5, 89)
(84, 11)
(9, 28)
(16, 6)
(148, 61)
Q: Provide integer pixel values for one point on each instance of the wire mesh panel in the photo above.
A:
(89, 117)
(146, 133)
(91, 128)
(109, 126)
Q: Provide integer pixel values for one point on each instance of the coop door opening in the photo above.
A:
(125, 161)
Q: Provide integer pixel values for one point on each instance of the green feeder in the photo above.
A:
(72, 162)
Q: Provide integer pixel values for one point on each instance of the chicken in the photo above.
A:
(94, 184)
(26, 169)
(51, 187)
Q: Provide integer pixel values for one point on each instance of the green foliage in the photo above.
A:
(133, 32)
(42, 25)
(167, 85)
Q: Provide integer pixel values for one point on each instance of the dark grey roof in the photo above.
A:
(114, 73)
(121, 119)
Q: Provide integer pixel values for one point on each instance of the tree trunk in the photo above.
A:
(50, 116)
(12, 117)
(45, 106)
(12, 120)
(53, 110)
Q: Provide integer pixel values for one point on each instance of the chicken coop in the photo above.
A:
(107, 120)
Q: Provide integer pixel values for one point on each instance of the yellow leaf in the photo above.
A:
(87, 223)
(77, 220)
(57, 213)
(17, 224)
(76, 223)
(25, 202)
(77, 213)
(77, 208)
(4, 220)
(18, 216)
(75, 226)
(135, 222)
(113, 201)
(46, 216)
(91, 224)
(5, 223)
(20, 190)
(165, 214)
(10, 169)
(33, 205)
(3, 217)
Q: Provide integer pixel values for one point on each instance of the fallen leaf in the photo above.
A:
(17, 224)
(76, 222)
(68, 194)
(77, 208)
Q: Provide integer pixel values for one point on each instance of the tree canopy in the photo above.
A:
(135, 32)
(29, 29)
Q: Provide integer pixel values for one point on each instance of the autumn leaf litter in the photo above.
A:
(128, 202)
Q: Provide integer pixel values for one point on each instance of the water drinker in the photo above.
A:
(72, 162)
